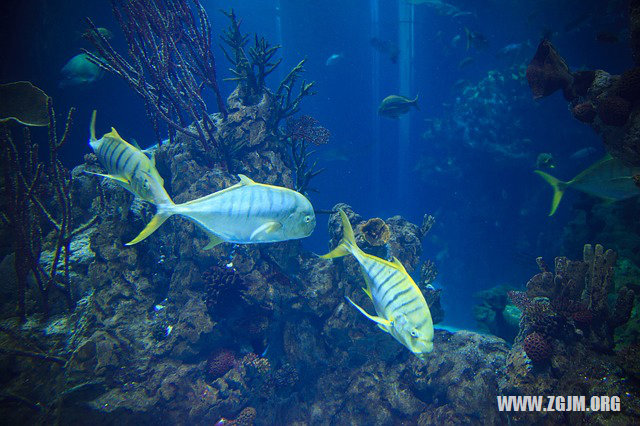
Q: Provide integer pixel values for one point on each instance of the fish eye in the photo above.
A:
(307, 218)
(414, 334)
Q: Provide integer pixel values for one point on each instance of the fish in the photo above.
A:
(442, 8)
(475, 39)
(395, 105)
(331, 60)
(401, 308)
(80, 71)
(466, 61)
(104, 32)
(545, 160)
(245, 213)
(127, 165)
(582, 153)
(607, 37)
(386, 47)
(608, 179)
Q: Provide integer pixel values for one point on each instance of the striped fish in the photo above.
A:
(245, 213)
(127, 165)
(401, 307)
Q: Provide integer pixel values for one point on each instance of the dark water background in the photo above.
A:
(491, 216)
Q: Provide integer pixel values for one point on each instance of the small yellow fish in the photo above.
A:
(394, 105)
(128, 166)
(401, 307)
(609, 179)
(245, 213)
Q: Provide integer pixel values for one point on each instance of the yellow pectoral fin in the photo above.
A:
(367, 292)
(116, 178)
(264, 230)
(214, 240)
(378, 320)
(399, 264)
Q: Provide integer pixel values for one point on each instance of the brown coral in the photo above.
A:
(246, 418)
(584, 112)
(628, 87)
(375, 231)
(537, 347)
(547, 71)
(222, 287)
(220, 362)
(614, 111)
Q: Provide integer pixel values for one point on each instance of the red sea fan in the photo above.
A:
(220, 362)
(547, 71)
(308, 129)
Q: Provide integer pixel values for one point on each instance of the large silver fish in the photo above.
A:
(608, 179)
(245, 213)
(401, 307)
(127, 165)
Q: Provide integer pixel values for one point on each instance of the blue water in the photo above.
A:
(491, 211)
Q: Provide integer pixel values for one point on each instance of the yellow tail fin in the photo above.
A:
(348, 242)
(163, 214)
(558, 189)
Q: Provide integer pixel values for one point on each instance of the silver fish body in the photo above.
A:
(245, 213)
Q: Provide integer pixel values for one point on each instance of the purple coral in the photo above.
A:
(220, 362)
(537, 347)
(308, 129)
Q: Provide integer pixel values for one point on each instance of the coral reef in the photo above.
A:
(566, 338)
(375, 231)
(614, 99)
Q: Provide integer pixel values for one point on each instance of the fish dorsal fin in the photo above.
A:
(378, 320)
(135, 143)
(114, 134)
(264, 230)
(244, 180)
(214, 240)
(399, 264)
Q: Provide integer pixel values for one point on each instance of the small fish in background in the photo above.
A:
(333, 59)
(455, 41)
(387, 48)
(513, 49)
(545, 161)
(608, 179)
(465, 62)
(127, 165)
(475, 39)
(583, 153)
(442, 8)
(102, 31)
(245, 213)
(579, 22)
(401, 307)
(394, 106)
(80, 71)
(607, 37)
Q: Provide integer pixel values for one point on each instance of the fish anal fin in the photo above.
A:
(116, 178)
(382, 328)
(246, 180)
(264, 229)
(214, 240)
(367, 292)
(378, 320)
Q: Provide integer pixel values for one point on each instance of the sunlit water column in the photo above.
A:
(375, 100)
(405, 62)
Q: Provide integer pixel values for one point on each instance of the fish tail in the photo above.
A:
(415, 103)
(558, 189)
(92, 126)
(164, 212)
(347, 244)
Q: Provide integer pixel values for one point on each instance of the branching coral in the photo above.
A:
(250, 71)
(298, 134)
(38, 195)
(171, 62)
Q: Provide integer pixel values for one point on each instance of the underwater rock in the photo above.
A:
(491, 313)
(584, 112)
(614, 111)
